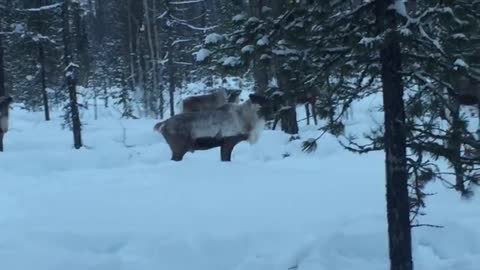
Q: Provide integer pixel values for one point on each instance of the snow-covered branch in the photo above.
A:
(197, 28)
(186, 2)
(42, 8)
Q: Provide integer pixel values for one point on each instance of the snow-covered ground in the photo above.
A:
(121, 204)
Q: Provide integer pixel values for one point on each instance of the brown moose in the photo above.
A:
(222, 127)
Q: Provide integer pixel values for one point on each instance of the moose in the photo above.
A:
(4, 104)
(213, 100)
(468, 91)
(222, 127)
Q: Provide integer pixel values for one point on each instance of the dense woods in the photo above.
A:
(139, 55)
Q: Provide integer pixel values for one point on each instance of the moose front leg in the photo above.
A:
(226, 151)
(228, 146)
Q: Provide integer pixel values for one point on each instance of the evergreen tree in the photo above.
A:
(356, 43)
(34, 28)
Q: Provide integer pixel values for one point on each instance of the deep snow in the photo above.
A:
(121, 203)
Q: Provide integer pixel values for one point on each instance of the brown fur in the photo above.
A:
(205, 102)
(468, 91)
(4, 104)
(223, 127)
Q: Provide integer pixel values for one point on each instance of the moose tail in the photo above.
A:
(158, 126)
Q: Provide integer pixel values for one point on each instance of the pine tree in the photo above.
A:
(123, 98)
(354, 44)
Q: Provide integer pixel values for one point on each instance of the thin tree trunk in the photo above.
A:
(3, 91)
(95, 103)
(2, 76)
(105, 95)
(288, 117)
(171, 82)
(307, 112)
(158, 73)
(398, 209)
(41, 56)
(171, 69)
(456, 147)
(288, 121)
(141, 73)
(314, 112)
(131, 52)
(153, 58)
(260, 68)
(71, 78)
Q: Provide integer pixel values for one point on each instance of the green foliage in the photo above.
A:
(30, 30)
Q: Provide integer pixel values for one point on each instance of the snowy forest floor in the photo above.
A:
(122, 204)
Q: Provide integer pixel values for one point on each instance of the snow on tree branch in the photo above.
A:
(186, 2)
(161, 16)
(42, 8)
(202, 54)
(400, 8)
(197, 28)
(71, 65)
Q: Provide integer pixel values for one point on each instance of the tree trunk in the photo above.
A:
(288, 117)
(161, 99)
(307, 112)
(171, 70)
(141, 74)
(105, 94)
(3, 91)
(2, 68)
(95, 103)
(171, 82)
(153, 58)
(455, 147)
(260, 67)
(131, 52)
(288, 122)
(70, 77)
(314, 112)
(398, 209)
(41, 58)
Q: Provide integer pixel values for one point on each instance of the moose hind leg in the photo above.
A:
(178, 145)
(179, 149)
